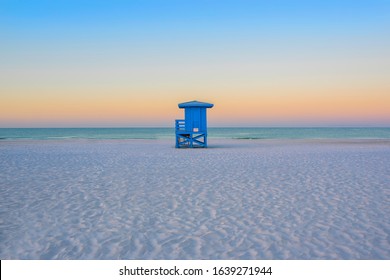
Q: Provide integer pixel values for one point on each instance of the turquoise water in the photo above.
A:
(169, 133)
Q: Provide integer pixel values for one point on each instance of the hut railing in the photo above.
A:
(180, 125)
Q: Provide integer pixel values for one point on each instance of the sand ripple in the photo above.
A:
(236, 200)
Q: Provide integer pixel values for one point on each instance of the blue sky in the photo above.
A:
(260, 62)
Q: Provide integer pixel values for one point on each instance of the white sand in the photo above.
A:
(239, 199)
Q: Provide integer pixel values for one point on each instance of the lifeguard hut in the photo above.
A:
(192, 131)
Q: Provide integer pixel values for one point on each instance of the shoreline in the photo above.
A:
(242, 133)
(211, 141)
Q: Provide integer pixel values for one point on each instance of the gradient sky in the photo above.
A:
(129, 63)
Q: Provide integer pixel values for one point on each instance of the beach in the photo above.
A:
(237, 199)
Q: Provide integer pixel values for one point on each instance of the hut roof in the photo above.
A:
(195, 103)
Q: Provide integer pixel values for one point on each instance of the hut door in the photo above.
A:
(196, 120)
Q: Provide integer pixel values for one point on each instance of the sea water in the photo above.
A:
(213, 132)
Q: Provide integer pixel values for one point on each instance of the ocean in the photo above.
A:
(213, 132)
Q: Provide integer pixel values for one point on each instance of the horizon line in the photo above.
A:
(235, 126)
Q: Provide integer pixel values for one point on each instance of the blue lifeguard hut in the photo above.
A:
(192, 131)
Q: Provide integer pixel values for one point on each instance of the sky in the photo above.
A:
(129, 63)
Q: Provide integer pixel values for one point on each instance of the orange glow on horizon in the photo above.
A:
(161, 109)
